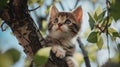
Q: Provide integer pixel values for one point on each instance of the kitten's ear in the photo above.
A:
(53, 11)
(78, 14)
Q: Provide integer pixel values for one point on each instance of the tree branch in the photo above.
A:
(106, 27)
(61, 5)
(18, 18)
(2, 26)
(35, 8)
(77, 1)
(100, 28)
(86, 58)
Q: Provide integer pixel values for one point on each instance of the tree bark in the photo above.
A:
(16, 15)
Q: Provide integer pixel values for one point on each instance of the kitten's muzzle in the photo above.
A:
(59, 24)
(59, 27)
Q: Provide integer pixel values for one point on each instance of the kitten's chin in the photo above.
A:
(60, 35)
(55, 35)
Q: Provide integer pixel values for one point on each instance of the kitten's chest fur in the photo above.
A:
(67, 45)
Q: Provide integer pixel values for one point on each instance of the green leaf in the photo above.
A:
(13, 54)
(40, 2)
(95, 16)
(42, 56)
(99, 10)
(115, 9)
(44, 25)
(99, 42)
(3, 3)
(110, 21)
(92, 37)
(8, 58)
(101, 16)
(104, 21)
(113, 32)
(116, 34)
(5, 61)
(91, 21)
(31, 1)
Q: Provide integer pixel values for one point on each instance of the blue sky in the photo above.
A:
(7, 41)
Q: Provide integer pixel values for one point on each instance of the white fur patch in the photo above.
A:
(59, 52)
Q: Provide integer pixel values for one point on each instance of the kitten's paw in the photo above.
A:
(58, 51)
(71, 62)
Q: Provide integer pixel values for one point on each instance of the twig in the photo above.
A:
(101, 30)
(86, 58)
(35, 8)
(108, 8)
(76, 3)
(61, 5)
(2, 26)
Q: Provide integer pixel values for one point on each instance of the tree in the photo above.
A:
(15, 13)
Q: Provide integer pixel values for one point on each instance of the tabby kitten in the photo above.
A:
(62, 28)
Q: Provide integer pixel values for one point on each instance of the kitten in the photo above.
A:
(62, 28)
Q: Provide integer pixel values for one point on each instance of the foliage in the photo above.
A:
(42, 56)
(8, 58)
(3, 3)
(100, 23)
(44, 27)
(93, 37)
(35, 1)
(100, 42)
(115, 9)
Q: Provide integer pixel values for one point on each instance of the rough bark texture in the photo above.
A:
(16, 15)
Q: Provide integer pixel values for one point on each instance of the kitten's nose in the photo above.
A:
(59, 24)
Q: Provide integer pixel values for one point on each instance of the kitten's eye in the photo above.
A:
(67, 21)
(56, 20)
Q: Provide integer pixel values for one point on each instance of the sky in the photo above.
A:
(7, 41)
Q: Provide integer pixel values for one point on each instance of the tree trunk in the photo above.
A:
(17, 16)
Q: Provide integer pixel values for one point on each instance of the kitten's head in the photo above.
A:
(64, 25)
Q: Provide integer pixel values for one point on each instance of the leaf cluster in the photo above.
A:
(100, 23)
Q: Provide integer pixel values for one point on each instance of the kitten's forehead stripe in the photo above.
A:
(66, 14)
(62, 14)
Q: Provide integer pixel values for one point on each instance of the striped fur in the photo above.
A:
(72, 28)
(62, 27)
